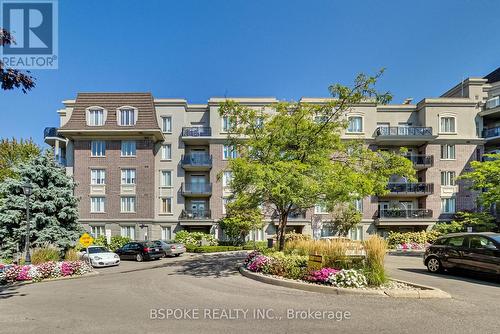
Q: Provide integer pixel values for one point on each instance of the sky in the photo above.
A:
(286, 49)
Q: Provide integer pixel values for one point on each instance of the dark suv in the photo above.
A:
(471, 251)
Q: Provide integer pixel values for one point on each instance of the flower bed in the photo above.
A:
(37, 273)
(411, 246)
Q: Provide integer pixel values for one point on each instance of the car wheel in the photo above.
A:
(139, 258)
(434, 265)
(178, 254)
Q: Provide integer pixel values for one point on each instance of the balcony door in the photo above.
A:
(198, 155)
(403, 129)
(198, 183)
(198, 209)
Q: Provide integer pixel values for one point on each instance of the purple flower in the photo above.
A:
(321, 275)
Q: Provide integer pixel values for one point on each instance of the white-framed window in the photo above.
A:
(448, 152)
(97, 230)
(227, 177)
(447, 124)
(320, 209)
(166, 124)
(166, 205)
(493, 102)
(229, 152)
(97, 176)
(97, 204)
(358, 205)
(320, 119)
(355, 124)
(166, 233)
(166, 152)
(98, 148)
(127, 204)
(128, 148)
(166, 178)
(448, 178)
(227, 123)
(128, 231)
(259, 122)
(225, 202)
(95, 117)
(128, 176)
(127, 116)
(448, 205)
(257, 235)
(356, 233)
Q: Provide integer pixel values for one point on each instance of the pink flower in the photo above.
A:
(321, 275)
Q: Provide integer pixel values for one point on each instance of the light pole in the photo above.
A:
(27, 190)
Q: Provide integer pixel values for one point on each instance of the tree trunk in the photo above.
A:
(281, 231)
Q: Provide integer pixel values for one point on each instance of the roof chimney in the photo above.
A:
(408, 100)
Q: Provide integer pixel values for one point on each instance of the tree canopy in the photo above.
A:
(485, 178)
(11, 78)
(14, 152)
(291, 155)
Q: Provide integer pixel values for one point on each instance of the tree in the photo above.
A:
(11, 78)
(13, 152)
(344, 219)
(485, 178)
(54, 211)
(239, 222)
(290, 154)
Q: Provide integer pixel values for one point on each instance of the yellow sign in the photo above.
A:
(315, 262)
(86, 240)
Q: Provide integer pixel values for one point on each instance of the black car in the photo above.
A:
(470, 251)
(139, 251)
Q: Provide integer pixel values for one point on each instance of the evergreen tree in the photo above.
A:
(53, 206)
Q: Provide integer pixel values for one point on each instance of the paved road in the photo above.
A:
(120, 299)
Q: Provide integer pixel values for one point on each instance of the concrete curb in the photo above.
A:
(20, 283)
(426, 292)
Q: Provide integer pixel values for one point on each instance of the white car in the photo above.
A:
(100, 256)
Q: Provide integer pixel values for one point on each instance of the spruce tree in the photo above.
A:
(53, 207)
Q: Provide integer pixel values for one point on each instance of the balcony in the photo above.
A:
(196, 162)
(196, 189)
(421, 161)
(196, 134)
(50, 136)
(403, 217)
(403, 135)
(195, 215)
(402, 189)
(492, 133)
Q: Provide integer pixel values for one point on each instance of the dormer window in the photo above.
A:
(96, 116)
(127, 116)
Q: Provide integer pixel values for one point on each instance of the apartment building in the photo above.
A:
(147, 168)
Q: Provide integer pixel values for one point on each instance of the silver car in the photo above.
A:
(170, 247)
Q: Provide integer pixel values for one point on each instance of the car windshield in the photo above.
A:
(93, 250)
(150, 244)
(496, 238)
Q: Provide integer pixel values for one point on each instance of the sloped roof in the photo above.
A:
(493, 76)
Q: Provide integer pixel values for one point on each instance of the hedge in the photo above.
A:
(212, 249)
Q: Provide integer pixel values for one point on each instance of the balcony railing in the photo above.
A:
(50, 132)
(197, 160)
(196, 131)
(411, 131)
(493, 102)
(493, 132)
(196, 188)
(421, 160)
(409, 214)
(402, 187)
(195, 214)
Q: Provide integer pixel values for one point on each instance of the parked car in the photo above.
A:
(478, 252)
(170, 247)
(100, 256)
(140, 251)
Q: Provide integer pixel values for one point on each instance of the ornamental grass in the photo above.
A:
(376, 248)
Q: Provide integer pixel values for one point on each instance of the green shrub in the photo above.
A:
(422, 237)
(101, 241)
(289, 266)
(118, 242)
(195, 238)
(292, 236)
(45, 253)
(71, 255)
(259, 245)
(212, 249)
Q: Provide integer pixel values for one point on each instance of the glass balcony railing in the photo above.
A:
(196, 160)
(411, 131)
(196, 188)
(421, 160)
(50, 132)
(196, 131)
(409, 214)
(493, 102)
(492, 132)
(417, 188)
(195, 214)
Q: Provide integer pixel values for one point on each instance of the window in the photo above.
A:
(320, 119)
(97, 231)
(128, 176)
(166, 178)
(166, 205)
(127, 117)
(166, 124)
(456, 241)
(448, 205)
(448, 152)
(447, 178)
(225, 202)
(128, 231)
(97, 204)
(95, 117)
(257, 235)
(356, 233)
(166, 152)
(229, 152)
(227, 123)
(127, 204)
(128, 148)
(97, 176)
(476, 241)
(98, 148)
(166, 233)
(355, 124)
(358, 205)
(227, 177)
(493, 102)
(259, 122)
(447, 125)
(320, 209)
